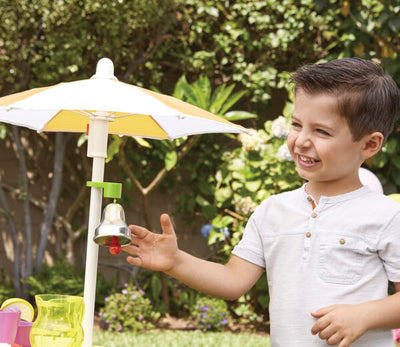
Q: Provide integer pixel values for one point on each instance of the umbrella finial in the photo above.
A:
(105, 69)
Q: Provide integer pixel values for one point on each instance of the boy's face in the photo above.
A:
(322, 146)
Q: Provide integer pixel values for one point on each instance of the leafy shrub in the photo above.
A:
(211, 314)
(261, 167)
(6, 287)
(150, 282)
(181, 297)
(59, 278)
(246, 312)
(128, 310)
(252, 308)
(62, 278)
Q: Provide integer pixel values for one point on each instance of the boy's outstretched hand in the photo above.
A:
(153, 251)
(339, 325)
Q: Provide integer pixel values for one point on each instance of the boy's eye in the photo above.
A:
(295, 124)
(323, 132)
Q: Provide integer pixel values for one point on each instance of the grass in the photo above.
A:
(169, 338)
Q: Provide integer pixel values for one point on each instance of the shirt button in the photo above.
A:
(342, 241)
(314, 214)
(308, 234)
(309, 198)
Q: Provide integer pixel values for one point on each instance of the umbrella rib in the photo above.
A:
(90, 114)
(83, 113)
(125, 115)
(152, 119)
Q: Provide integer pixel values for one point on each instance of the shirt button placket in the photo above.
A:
(307, 241)
(309, 232)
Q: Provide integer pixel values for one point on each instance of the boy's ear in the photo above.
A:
(372, 144)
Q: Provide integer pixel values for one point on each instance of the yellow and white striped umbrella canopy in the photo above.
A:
(131, 110)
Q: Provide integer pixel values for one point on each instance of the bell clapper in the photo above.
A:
(115, 247)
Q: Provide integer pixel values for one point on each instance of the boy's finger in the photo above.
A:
(138, 231)
(166, 225)
(136, 261)
(317, 314)
(330, 333)
(321, 312)
(344, 343)
(334, 339)
(320, 325)
(131, 249)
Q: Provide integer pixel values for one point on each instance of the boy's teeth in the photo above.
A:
(306, 159)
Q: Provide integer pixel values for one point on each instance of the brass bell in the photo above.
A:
(113, 228)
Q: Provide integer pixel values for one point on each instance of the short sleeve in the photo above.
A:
(389, 249)
(250, 247)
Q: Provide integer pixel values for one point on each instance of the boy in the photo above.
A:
(329, 247)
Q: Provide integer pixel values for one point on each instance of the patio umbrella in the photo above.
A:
(105, 105)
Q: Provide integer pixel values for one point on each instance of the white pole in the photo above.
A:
(97, 149)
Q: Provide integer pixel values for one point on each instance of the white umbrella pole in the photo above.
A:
(97, 149)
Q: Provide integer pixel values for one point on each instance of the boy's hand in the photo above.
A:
(339, 324)
(153, 251)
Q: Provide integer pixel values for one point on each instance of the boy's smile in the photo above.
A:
(322, 146)
(306, 161)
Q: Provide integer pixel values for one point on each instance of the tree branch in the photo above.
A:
(80, 198)
(160, 176)
(12, 231)
(126, 167)
(56, 183)
(27, 215)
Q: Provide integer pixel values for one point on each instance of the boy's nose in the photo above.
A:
(303, 139)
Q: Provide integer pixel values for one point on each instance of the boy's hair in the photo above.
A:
(368, 98)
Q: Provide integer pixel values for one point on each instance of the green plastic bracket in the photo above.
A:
(111, 189)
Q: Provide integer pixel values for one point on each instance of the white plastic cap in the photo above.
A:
(105, 69)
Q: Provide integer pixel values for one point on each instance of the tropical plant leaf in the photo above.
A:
(142, 142)
(220, 98)
(3, 131)
(81, 140)
(170, 160)
(113, 148)
(189, 94)
(233, 116)
(231, 101)
(203, 92)
(214, 102)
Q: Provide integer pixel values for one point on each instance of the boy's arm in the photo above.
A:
(344, 324)
(228, 281)
(160, 252)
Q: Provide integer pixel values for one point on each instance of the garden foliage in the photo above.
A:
(61, 278)
(211, 314)
(182, 298)
(128, 310)
(6, 287)
(260, 167)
